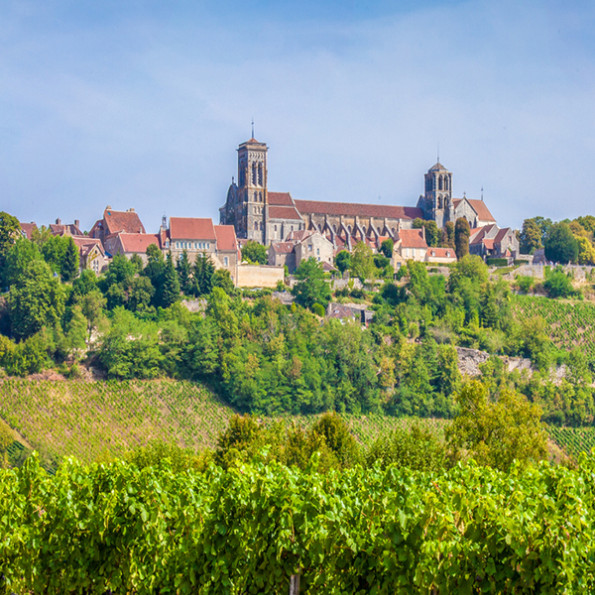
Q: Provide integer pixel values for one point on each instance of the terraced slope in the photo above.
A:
(91, 420)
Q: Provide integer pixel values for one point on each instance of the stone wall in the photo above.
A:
(253, 275)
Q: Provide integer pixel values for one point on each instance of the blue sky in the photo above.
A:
(143, 103)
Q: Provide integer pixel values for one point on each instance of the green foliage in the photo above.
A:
(462, 233)
(184, 273)
(386, 248)
(17, 259)
(530, 237)
(343, 261)
(254, 253)
(312, 287)
(10, 230)
(203, 271)
(35, 300)
(448, 235)
(247, 529)
(496, 433)
(69, 266)
(560, 245)
(432, 233)
(222, 278)
(362, 263)
(558, 284)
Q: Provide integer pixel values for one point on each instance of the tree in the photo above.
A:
(343, 261)
(448, 235)
(17, 259)
(69, 267)
(184, 273)
(222, 278)
(462, 233)
(362, 262)
(558, 284)
(387, 247)
(255, 253)
(586, 251)
(35, 300)
(311, 287)
(10, 230)
(530, 238)
(203, 271)
(560, 245)
(496, 433)
(169, 288)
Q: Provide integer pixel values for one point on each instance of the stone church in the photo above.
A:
(266, 217)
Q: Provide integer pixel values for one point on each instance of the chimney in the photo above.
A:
(108, 208)
(131, 210)
(58, 221)
(77, 223)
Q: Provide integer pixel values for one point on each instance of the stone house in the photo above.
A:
(490, 241)
(91, 254)
(441, 255)
(114, 222)
(130, 244)
(411, 245)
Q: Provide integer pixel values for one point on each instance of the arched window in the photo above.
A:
(254, 174)
(349, 228)
(440, 183)
(256, 225)
(260, 174)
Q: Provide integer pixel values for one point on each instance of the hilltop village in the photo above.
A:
(294, 230)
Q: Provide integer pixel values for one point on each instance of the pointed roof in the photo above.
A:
(437, 167)
(191, 228)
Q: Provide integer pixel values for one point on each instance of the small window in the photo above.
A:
(226, 261)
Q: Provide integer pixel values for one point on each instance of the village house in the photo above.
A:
(113, 222)
(490, 241)
(92, 256)
(411, 245)
(129, 244)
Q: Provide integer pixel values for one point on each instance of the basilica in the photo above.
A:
(269, 217)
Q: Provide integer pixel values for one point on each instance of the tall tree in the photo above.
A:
(448, 235)
(169, 289)
(202, 272)
(387, 247)
(70, 262)
(530, 238)
(184, 273)
(18, 257)
(362, 262)
(10, 230)
(462, 233)
(343, 261)
(560, 245)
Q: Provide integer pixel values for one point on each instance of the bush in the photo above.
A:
(497, 262)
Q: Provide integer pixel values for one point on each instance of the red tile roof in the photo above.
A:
(191, 228)
(489, 244)
(356, 209)
(441, 253)
(280, 199)
(481, 209)
(284, 213)
(127, 221)
(501, 234)
(28, 229)
(138, 242)
(412, 238)
(226, 238)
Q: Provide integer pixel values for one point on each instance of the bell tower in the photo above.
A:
(252, 189)
(437, 200)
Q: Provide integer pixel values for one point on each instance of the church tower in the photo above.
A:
(437, 200)
(252, 189)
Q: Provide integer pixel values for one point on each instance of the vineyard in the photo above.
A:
(573, 441)
(117, 528)
(95, 420)
(571, 324)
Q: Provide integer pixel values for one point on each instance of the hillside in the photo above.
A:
(91, 420)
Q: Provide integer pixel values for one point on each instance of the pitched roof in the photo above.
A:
(191, 228)
(299, 236)
(137, 242)
(280, 199)
(356, 209)
(283, 247)
(441, 253)
(284, 213)
(85, 244)
(438, 167)
(127, 221)
(481, 209)
(501, 234)
(412, 238)
(28, 229)
(226, 237)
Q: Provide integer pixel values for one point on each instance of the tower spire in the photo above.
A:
(438, 152)
(482, 193)
(252, 127)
